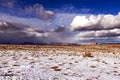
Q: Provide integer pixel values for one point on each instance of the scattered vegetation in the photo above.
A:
(66, 60)
(55, 68)
(87, 55)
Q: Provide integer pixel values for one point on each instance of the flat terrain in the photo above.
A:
(34, 62)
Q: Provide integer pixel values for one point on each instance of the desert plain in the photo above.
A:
(48, 62)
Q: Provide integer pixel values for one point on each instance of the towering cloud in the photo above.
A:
(95, 22)
(36, 10)
(7, 3)
(39, 12)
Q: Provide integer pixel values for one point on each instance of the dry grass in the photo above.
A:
(55, 68)
(85, 50)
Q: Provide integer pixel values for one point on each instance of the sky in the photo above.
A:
(96, 6)
(59, 21)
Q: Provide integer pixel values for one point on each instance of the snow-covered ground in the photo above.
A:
(56, 65)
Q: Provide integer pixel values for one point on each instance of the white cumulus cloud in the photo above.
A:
(95, 22)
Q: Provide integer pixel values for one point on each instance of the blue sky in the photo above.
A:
(74, 6)
(95, 6)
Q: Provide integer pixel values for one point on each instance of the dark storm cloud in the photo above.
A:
(17, 33)
(6, 26)
(61, 28)
(11, 33)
